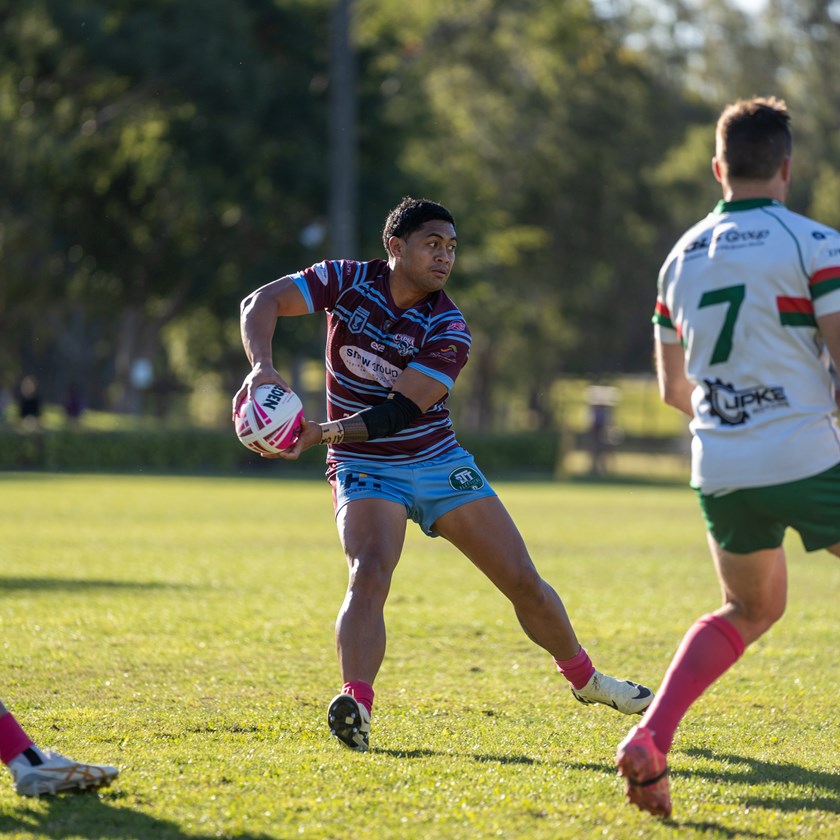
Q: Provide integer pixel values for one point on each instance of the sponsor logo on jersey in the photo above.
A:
(375, 345)
(358, 320)
(367, 365)
(701, 244)
(323, 273)
(734, 238)
(458, 326)
(466, 478)
(405, 344)
(448, 354)
(730, 404)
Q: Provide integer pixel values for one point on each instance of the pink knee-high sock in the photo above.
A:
(576, 670)
(13, 740)
(362, 691)
(710, 647)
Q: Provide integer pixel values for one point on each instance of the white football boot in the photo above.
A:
(58, 774)
(627, 697)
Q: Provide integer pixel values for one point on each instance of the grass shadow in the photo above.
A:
(405, 753)
(477, 757)
(715, 829)
(79, 584)
(504, 759)
(740, 769)
(86, 815)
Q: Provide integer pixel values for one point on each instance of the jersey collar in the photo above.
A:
(745, 204)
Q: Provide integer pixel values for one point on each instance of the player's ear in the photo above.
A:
(716, 171)
(395, 245)
(785, 169)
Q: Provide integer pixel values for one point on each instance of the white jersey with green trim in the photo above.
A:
(741, 291)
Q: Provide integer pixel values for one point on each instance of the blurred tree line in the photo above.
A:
(162, 158)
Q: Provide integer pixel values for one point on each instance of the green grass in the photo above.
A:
(181, 628)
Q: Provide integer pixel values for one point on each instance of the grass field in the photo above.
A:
(181, 628)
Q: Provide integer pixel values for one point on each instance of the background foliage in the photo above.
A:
(161, 159)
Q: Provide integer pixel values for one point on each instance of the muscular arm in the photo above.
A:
(257, 319)
(419, 388)
(259, 313)
(674, 386)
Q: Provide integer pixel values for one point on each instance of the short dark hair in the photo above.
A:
(753, 138)
(410, 215)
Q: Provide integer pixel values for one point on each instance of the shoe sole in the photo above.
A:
(345, 722)
(647, 789)
(46, 787)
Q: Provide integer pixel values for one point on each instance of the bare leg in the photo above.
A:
(372, 533)
(754, 588)
(484, 531)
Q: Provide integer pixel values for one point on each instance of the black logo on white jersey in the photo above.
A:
(730, 404)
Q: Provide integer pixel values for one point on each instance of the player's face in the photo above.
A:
(425, 258)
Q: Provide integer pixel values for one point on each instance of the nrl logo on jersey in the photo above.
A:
(730, 404)
(358, 320)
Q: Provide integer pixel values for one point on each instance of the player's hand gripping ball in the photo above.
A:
(270, 421)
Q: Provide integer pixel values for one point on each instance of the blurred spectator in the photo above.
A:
(601, 400)
(73, 405)
(29, 402)
(6, 399)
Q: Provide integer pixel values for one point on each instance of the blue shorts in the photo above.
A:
(428, 489)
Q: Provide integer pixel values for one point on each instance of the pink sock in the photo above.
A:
(710, 647)
(362, 691)
(13, 740)
(578, 670)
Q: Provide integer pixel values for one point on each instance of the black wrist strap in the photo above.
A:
(392, 416)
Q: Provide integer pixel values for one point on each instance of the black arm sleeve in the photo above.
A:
(392, 416)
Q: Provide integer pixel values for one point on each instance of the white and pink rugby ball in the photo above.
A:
(270, 421)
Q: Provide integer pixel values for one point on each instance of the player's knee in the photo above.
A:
(775, 611)
(370, 577)
(763, 614)
(527, 588)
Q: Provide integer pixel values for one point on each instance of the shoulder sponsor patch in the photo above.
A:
(323, 272)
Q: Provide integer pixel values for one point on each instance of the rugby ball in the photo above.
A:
(270, 421)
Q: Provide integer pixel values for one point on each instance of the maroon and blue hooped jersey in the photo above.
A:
(370, 341)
